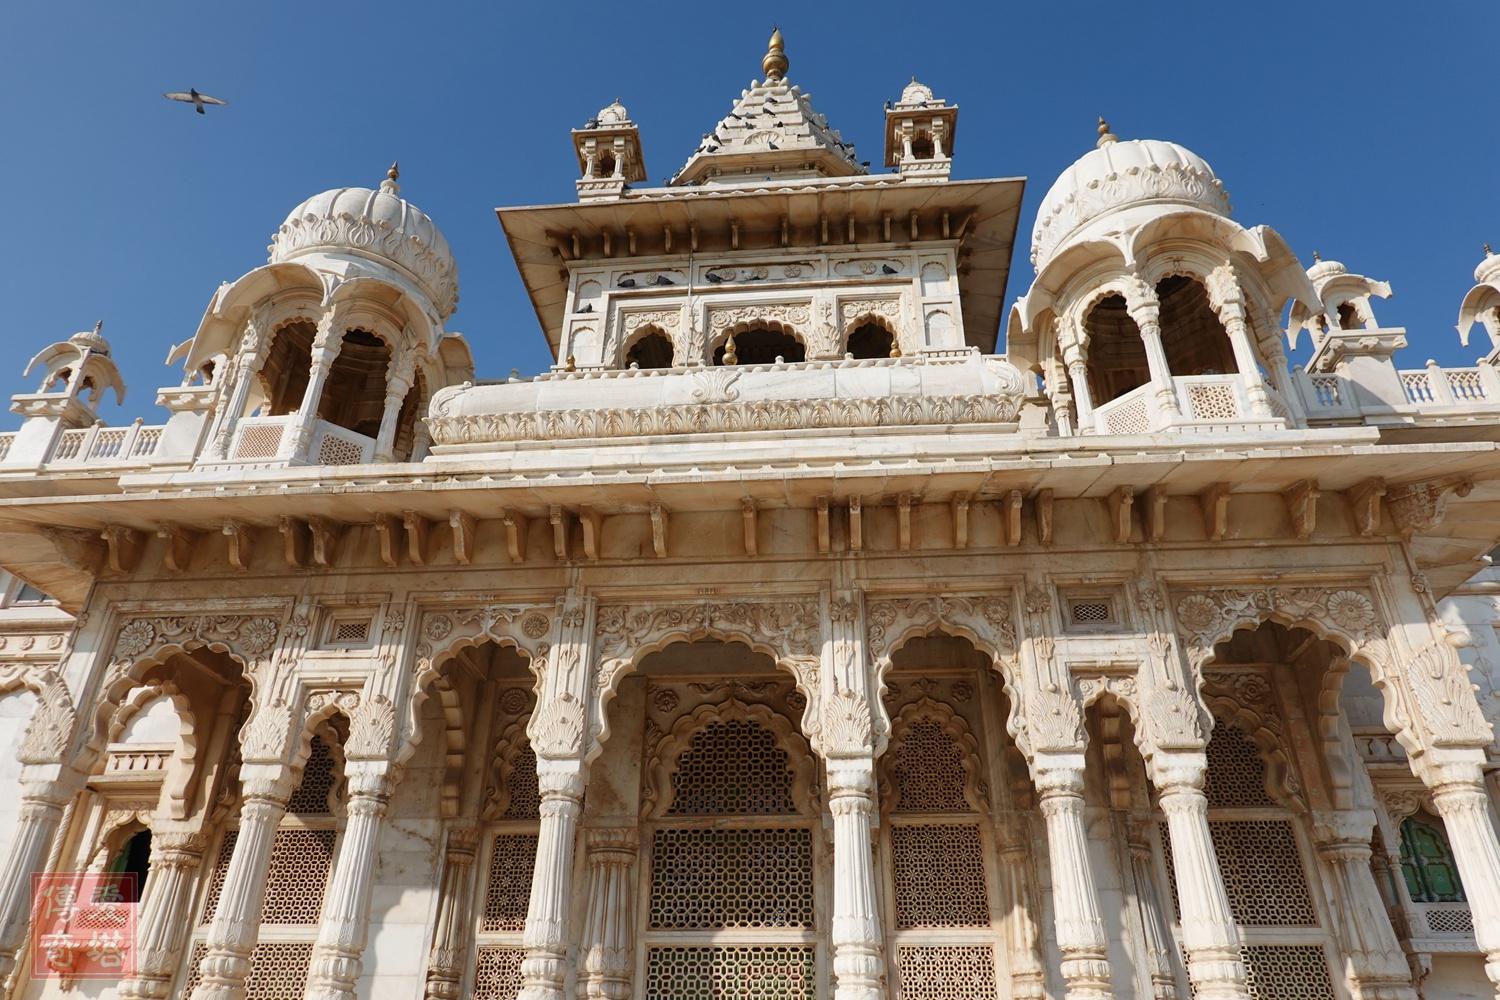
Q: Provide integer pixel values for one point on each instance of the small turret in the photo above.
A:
(609, 153)
(1482, 304)
(919, 131)
(75, 375)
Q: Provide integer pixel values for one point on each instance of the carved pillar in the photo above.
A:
(1232, 311)
(857, 963)
(396, 388)
(544, 969)
(243, 370)
(40, 814)
(325, 350)
(1209, 934)
(265, 789)
(1078, 372)
(1376, 965)
(1459, 794)
(608, 935)
(336, 960)
(1075, 895)
(1157, 938)
(453, 934)
(163, 917)
(1023, 937)
(1147, 316)
(847, 741)
(563, 742)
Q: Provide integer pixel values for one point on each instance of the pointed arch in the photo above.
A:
(956, 729)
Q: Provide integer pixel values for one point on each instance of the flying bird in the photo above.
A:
(194, 98)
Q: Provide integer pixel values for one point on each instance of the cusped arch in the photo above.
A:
(664, 757)
(510, 749)
(1282, 785)
(953, 725)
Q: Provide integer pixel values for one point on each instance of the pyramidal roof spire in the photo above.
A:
(775, 64)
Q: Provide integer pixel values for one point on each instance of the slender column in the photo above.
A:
(1209, 934)
(40, 814)
(857, 963)
(1062, 397)
(1233, 314)
(1459, 794)
(1375, 965)
(325, 350)
(1023, 937)
(544, 969)
(1075, 895)
(452, 937)
(1147, 317)
(162, 921)
(1078, 373)
(396, 389)
(608, 938)
(1158, 940)
(236, 926)
(1281, 378)
(243, 372)
(336, 960)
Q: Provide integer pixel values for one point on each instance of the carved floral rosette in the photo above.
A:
(721, 320)
(1429, 700)
(786, 630)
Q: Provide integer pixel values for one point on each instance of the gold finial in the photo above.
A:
(395, 172)
(99, 324)
(1317, 256)
(895, 348)
(572, 365)
(1487, 251)
(774, 64)
(389, 185)
(730, 358)
(1105, 135)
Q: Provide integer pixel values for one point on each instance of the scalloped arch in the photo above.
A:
(954, 726)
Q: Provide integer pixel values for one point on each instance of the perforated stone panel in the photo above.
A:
(1236, 772)
(497, 973)
(350, 632)
(733, 768)
(709, 879)
(946, 971)
(337, 451)
(1287, 972)
(939, 876)
(1450, 921)
(1132, 418)
(1212, 401)
(751, 972)
(301, 861)
(311, 796)
(259, 441)
(928, 770)
(525, 801)
(278, 970)
(508, 889)
(216, 880)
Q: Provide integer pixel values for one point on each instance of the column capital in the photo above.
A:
(1340, 828)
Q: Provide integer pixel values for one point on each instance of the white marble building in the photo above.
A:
(786, 638)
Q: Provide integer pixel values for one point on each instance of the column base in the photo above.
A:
(1217, 976)
(1087, 979)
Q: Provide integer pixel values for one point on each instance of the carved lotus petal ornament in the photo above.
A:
(1350, 610)
(135, 638)
(1197, 613)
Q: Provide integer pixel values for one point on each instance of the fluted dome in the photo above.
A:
(1122, 174)
(377, 223)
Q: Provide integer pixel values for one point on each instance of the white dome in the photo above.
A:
(373, 223)
(613, 114)
(1120, 174)
(916, 93)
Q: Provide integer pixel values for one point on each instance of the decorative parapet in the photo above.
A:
(957, 387)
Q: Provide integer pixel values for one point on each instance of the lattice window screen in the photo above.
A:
(1236, 771)
(301, 861)
(711, 879)
(946, 971)
(525, 801)
(278, 970)
(733, 768)
(750, 972)
(928, 770)
(216, 880)
(312, 794)
(497, 973)
(508, 892)
(1262, 872)
(337, 451)
(939, 876)
(1287, 972)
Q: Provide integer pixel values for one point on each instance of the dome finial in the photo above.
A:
(1487, 251)
(1317, 256)
(389, 185)
(775, 63)
(1105, 135)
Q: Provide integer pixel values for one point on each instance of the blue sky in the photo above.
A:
(1366, 131)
